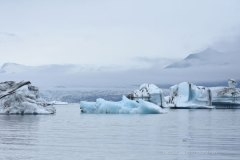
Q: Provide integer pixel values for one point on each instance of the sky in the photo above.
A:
(112, 32)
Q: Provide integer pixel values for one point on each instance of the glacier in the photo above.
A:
(125, 106)
(15, 98)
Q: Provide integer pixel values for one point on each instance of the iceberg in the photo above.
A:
(16, 100)
(226, 96)
(125, 106)
(188, 95)
(232, 83)
(149, 92)
(58, 103)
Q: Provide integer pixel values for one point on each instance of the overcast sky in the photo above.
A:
(111, 32)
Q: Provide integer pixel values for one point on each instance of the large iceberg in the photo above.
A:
(125, 106)
(16, 99)
(226, 96)
(188, 95)
(149, 92)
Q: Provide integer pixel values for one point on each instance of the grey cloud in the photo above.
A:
(230, 44)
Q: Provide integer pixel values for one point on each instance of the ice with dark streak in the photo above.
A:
(226, 96)
(22, 98)
(149, 92)
(188, 95)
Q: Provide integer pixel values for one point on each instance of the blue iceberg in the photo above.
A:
(188, 95)
(125, 106)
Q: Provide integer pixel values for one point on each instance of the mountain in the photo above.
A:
(13, 68)
(61, 75)
(209, 56)
(206, 67)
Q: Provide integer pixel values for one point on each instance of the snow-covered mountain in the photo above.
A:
(206, 66)
(13, 68)
(61, 75)
(209, 57)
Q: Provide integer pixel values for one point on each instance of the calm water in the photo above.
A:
(69, 135)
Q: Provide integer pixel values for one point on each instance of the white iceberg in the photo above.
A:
(125, 106)
(226, 96)
(149, 92)
(188, 95)
(232, 83)
(15, 100)
(58, 103)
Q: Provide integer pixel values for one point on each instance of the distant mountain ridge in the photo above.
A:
(208, 56)
(205, 67)
(14, 68)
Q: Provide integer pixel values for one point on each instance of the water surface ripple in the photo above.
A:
(69, 135)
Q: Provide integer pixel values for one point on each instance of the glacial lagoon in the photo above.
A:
(68, 134)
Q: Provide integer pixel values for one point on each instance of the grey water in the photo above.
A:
(68, 135)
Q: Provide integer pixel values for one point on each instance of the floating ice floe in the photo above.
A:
(149, 92)
(125, 106)
(188, 95)
(15, 99)
(58, 103)
(226, 96)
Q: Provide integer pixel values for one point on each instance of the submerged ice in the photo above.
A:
(125, 106)
(15, 99)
